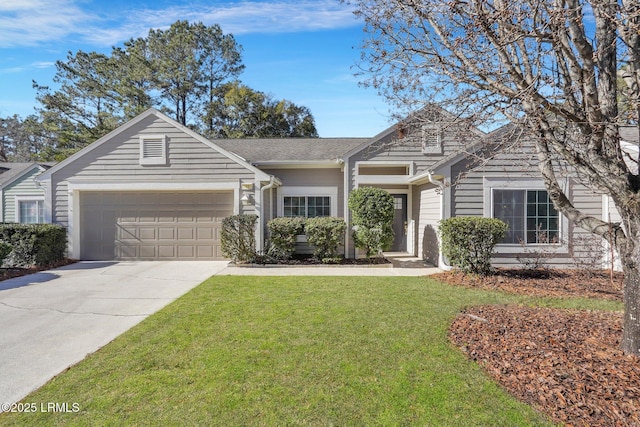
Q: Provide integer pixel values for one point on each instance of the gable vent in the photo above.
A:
(431, 139)
(153, 150)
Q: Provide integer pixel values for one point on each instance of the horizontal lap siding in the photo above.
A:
(408, 150)
(587, 250)
(117, 160)
(25, 186)
(312, 177)
(467, 199)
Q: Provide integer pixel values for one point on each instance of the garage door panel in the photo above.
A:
(146, 251)
(185, 233)
(152, 225)
(206, 251)
(126, 232)
(204, 233)
(167, 233)
(186, 252)
(148, 233)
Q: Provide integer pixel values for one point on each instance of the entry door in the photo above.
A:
(400, 223)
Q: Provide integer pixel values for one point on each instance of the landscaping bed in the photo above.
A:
(566, 363)
(304, 260)
(12, 272)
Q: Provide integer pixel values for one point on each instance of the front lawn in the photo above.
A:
(289, 351)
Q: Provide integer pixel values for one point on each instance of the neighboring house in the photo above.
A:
(154, 189)
(21, 197)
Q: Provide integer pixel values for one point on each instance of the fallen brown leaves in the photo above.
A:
(553, 283)
(566, 363)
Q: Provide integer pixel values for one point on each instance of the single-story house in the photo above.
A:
(21, 196)
(154, 189)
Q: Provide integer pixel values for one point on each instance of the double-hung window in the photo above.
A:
(30, 211)
(307, 201)
(306, 206)
(530, 214)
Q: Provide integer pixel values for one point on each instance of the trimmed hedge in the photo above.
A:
(372, 211)
(34, 244)
(326, 234)
(468, 242)
(282, 236)
(238, 237)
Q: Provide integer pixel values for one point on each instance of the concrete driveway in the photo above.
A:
(53, 319)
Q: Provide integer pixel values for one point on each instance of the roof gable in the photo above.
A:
(136, 120)
(11, 172)
(412, 125)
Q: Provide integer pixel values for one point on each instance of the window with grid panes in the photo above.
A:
(530, 214)
(306, 206)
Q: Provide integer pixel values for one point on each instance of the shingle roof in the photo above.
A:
(10, 171)
(290, 149)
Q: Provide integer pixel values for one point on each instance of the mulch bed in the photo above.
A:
(565, 363)
(551, 283)
(307, 260)
(11, 272)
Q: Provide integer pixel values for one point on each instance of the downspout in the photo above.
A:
(441, 261)
(263, 223)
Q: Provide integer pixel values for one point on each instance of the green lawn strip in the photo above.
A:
(290, 351)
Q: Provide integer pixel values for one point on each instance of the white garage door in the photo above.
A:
(152, 225)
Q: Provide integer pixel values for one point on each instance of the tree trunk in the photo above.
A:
(631, 331)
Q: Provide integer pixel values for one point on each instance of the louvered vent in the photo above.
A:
(431, 139)
(153, 150)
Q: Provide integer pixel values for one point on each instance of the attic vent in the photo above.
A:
(431, 139)
(153, 150)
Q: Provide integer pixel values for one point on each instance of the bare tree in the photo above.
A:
(551, 65)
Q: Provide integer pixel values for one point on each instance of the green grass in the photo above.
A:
(347, 351)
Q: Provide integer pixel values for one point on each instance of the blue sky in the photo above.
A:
(303, 51)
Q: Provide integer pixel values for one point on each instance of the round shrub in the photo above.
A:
(282, 236)
(468, 242)
(326, 234)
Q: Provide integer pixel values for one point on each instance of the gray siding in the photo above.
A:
(467, 199)
(25, 186)
(409, 149)
(117, 161)
(311, 177)
(303, 177)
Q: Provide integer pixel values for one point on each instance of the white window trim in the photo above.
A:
(489, 184)
(159, 160)
(286, 191)
(20, 199)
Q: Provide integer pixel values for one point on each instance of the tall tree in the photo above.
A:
(242, 112)
(85, 106)
(550, 64)
(189, 62)
(23, 140)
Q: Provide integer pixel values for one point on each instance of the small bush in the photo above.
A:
(34, 244)
(468, 242)
(238, 237)
(282, 236)
(372, 212)
(326, 234)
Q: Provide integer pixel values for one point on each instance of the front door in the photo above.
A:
(400, 223)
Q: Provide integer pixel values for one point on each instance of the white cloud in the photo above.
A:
(31, 22)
